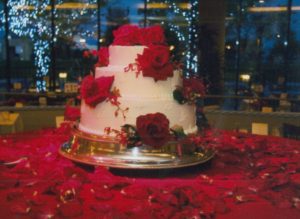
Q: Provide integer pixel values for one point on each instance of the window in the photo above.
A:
(2, 48)
(76, 31)
(29, 43)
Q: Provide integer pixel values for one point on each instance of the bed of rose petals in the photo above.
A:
(36, 182)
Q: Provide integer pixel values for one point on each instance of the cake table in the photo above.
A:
(250, 177)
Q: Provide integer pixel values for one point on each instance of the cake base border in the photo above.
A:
(106, 151)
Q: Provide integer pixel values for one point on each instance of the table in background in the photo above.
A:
(10, 123)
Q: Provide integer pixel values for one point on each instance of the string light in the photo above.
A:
(32, 19)
(189, 40)
(33, 22)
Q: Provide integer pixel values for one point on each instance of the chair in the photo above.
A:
(10, 123)
(291, 131)
(260, 128)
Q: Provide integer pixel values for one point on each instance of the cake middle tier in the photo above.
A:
(132, 85)
(95, 120)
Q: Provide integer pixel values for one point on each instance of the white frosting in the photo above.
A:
(142, 95)
(123, 55)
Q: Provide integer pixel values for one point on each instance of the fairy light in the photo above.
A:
(31, 19)
(189, 40)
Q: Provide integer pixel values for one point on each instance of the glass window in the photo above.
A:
(29, 43)
(180, 21)
(2, 48)
(262, 48)
(116, 13)
(294, 55)
(76, 31)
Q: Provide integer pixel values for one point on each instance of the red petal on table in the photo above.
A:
(40, 199)
(182, 197)
(139, 211)
(136, 192)
(70, 185)
(207, 210)
(71, 209)
(296, 202)
(47, 210)
(76, 173)
(220, 207)
(102, 208)
(163, 212)
(103, 194)
(244, 198)
(164, 198)
(273, 197)
(295, 179)
(285, 204)
(276, 180)
(188, 213)
(20, 208)
(15, 194)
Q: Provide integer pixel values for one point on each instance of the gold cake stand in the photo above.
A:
(107, 151)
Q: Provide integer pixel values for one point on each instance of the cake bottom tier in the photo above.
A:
(96, 120)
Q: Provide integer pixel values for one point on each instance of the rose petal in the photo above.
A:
(136, 192)
(71, 209)
(295, 179)
(20, 208)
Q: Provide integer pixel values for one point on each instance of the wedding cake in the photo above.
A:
(134, 84)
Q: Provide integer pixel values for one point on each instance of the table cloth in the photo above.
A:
(250, 176)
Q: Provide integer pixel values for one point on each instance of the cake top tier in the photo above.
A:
(122, 56)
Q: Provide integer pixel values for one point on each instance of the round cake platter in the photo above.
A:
(107, 151)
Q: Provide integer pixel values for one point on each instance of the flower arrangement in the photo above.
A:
(71, 113)
(155, 60)
(153, 130)
(128, 35)
(96, 90)
(95, 58)
(191, 89)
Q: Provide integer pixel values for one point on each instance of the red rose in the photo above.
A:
(153, 129)
(154, 62)
(152, 35)
(103, 56)
(193, 86)
(94, 52)
(95, 91)
(86, 54)
(71, 113)
(126, 35)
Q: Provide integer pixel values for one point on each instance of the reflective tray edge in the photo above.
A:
(107, 151)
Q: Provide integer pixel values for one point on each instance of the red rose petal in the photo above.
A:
(71, 209)
(20, 208)
(102, 208)
(295, 179)
(136, 192)
(103, 194)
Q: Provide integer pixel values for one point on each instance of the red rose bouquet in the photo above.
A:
(71, 113)
(94, 58)
(191, 89)
(154, 62)
(153, 129)
(95, 91)
(193, 86)
(152, 36)
(126, 35)
(103, 57)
